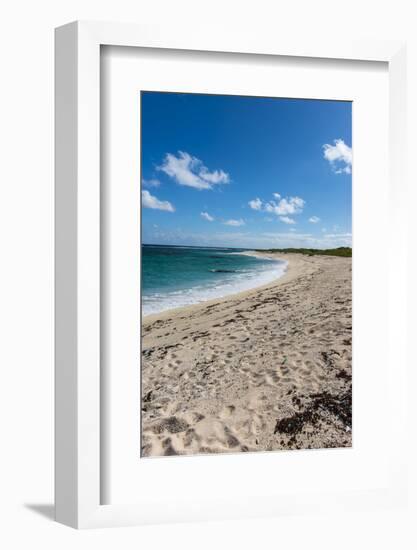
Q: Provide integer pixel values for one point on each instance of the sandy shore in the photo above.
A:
(266, 369)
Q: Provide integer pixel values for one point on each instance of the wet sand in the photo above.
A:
(263, 370)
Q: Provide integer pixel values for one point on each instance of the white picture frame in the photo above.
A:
(78, 405)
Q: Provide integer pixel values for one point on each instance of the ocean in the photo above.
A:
(176, 276)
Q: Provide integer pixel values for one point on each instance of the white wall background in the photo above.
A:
(26, 269)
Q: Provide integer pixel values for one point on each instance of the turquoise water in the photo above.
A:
(174, 276)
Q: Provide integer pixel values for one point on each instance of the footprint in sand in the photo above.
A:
(231, 440)
(227, 412)
(271, 378)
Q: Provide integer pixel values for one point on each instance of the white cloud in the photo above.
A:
(307, 240)
(287, 220)
(314, 219)
(190, 171)
(150, 183)
(339, 236)
(247, 239)
(218, 176)
(234, 223)
(255, 204)
(339, 156)
(282, 207)
(149, 201)
(207, 216)
(285, 206)
(281, 235)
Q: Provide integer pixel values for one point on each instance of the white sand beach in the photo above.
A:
(263, 370)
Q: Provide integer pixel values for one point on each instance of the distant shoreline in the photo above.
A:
(344, 251)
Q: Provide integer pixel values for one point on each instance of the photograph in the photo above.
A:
(245, 274)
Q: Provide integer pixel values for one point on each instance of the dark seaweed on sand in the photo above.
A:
(338, 406)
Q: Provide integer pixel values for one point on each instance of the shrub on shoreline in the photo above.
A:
(343, 251)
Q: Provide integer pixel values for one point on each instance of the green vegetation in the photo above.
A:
(343, 251)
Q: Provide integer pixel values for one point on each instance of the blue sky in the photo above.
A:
(245, 172)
